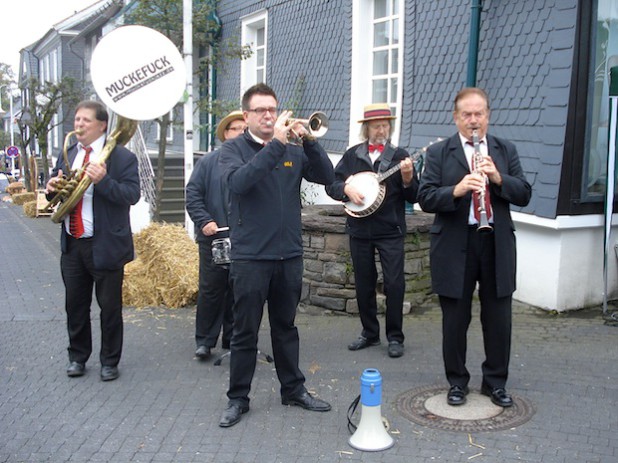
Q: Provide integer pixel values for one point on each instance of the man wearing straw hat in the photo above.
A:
(206, 204)
(383, 231)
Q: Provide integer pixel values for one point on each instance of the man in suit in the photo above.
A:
(263, 172)
(207, 205)
(383, 231)
(462, 255)
(96, 239)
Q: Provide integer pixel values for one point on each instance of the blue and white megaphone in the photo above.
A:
(371, 435)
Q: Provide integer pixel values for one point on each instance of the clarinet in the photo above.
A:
(483, 224)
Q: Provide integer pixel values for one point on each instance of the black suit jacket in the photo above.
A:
(445, 166)
(389, 219)
(113, 196)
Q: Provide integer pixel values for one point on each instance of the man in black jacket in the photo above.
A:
(96, 239)
(206, 203)
(263, 172)
(384, 230)
(463, 256)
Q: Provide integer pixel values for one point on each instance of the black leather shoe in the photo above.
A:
(498, 396)
(306, 401)
(109, 373)
(362, 343)
(202, 352)
(232, 415)
(395, 349)
(457, 395)
(76, 369)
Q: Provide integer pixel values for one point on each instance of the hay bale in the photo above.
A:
(15, 187)
(30, 209)
(19, 199)
(166, 269)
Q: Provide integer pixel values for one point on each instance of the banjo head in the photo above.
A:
(367, 183)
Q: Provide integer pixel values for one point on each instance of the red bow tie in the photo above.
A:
(373, 148)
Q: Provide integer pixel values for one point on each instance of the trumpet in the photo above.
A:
(477, 157)
(316, 126)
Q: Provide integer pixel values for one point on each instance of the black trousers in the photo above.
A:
(214, 301)
(365, 278)
(255, 282)
(495, 317)
(80, 276)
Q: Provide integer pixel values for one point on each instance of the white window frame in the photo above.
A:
(249, 67)
(362, 60)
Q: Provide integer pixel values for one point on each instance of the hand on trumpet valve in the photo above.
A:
(282, 127)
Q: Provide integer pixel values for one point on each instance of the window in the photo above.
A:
(385, 53)
(603, 56)
(584, 170)
(254, 34)
(381, 52)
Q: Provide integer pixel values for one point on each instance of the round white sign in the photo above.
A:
(138, 72)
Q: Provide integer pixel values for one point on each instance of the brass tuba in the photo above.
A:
(143, 82)
(74, 185)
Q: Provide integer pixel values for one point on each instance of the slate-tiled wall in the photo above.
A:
(525, 63)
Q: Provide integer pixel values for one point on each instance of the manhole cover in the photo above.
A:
(427, 406)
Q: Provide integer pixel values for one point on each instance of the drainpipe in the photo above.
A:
(214, 35)
(473, 51)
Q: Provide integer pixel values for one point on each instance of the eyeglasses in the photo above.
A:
(262, 111)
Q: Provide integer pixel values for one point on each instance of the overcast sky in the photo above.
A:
(26, 21)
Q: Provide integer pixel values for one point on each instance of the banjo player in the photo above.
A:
(377, 225)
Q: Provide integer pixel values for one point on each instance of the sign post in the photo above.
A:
(12, 152)
(611, 173)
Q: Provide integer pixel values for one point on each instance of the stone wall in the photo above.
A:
(328, 281)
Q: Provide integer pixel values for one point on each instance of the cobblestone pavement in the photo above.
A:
(166, 405)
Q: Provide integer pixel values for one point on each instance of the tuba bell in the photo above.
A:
(143, 82)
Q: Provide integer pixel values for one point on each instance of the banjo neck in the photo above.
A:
(414, 157)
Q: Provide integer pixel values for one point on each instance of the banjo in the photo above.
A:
(373, 187)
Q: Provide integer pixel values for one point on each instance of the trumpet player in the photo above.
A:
(464, 252)
(263, 172)
(96, 239)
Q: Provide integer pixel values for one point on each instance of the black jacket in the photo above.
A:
(112, 245)
(445, 166)
(389, 220)
(207, 196)
(264, 184)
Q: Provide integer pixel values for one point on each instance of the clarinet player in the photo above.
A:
(465, 251)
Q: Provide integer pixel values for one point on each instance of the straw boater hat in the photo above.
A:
(231, 117)
(377, 111)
